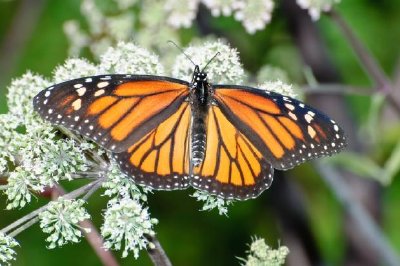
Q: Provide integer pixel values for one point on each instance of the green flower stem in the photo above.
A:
(367, 61)
(72, 195)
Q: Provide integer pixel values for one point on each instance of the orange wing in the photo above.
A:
(115, 110)
(286, 131)
(160, 159)
(233, 167)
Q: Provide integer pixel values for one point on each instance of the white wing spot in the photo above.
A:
(45, 101)
(289, 106)
(102, 84)
(301, 105)
(47, 94)
(308, 118)
(77, 86)
(99, 92)
(311, 131)
(81, 91)
(91, 127)
(59, 116)
(311, 113)
(50, 111)
(88, 80)
(77, 104)
(76, 118)
(293, 116)
(336, 128)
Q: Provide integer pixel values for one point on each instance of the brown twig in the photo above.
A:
(94, 238)
(370, 230)
(368, 62)
(157, 253)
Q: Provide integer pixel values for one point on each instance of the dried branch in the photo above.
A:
(157, 253)
(368, 62)
(370, 230)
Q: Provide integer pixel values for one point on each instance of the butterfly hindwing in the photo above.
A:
(232, 167)
(286, 131)
(161, 158)
(113, 110)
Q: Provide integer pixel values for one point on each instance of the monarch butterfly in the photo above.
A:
(171, 134)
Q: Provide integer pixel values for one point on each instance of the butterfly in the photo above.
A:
(168, 134)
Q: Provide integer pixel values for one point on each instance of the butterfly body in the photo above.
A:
(169, 134)
(200, 100)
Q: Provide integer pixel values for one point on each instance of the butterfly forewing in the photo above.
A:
(113, 110)
(287, 132)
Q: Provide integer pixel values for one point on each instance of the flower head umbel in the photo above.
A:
(126, 224)
(212, 202)
(7, 253)
(260, 254)
(254, 15)
(61, 220)
(225, 67)
(315, 7)
(119, 185)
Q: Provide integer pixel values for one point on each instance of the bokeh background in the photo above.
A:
(302, 209)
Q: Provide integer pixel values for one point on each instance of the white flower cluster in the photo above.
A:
(32, 146)
(61, 220)
(7, 253)
(126, 224)
(118, 185)
(261, 254)
(315, 7)
(279, 87)
(225, 67)
(212, 202)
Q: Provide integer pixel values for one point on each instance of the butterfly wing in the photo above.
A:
(161, 158)
(286, 131)
(232, 167)
(113, 110)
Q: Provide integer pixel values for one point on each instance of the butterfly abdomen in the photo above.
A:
(198, 139)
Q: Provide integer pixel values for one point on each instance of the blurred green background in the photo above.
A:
(299, 210)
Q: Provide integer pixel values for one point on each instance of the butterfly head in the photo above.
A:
(199, 76)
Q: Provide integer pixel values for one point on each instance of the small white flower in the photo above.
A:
(7, 253)
(74, 68)
(120, 27)
(8, 143)
(272, 73)
(279, 87)
(128, 58)
(126, 224)
(77, 38)
(261, 254)
(254, 14)
(20, 95)
(212, 202)
(120, 185)
(224, 7)
(20, 183)
(61, 220)
(181, 13)
(225, 67)
(315, 7)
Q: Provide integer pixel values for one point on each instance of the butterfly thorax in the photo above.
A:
(200, 99)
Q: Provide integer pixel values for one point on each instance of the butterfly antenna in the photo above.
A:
(180, 49)
(209, 61)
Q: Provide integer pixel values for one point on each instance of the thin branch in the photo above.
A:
(339, 89)
(369, 63)
(370, 230)
(72, 195)
(24, 227)
(94, 238)
(157, 253)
